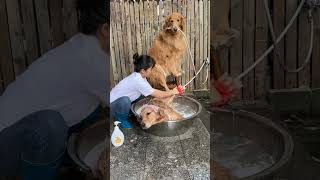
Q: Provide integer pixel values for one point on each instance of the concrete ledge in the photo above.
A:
(201, 93)
(297, 100)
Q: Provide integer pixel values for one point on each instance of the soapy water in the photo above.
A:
(185, 110)
(240, 155)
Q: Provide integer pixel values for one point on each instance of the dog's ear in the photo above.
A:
(162, 115)
(167, 23)
(182, 23)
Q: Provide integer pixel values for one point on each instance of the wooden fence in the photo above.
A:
(248, 17)
(135, 24)
(29, 28)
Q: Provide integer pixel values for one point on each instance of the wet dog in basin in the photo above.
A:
(158, 110)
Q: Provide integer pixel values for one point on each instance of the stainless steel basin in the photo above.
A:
(80, 144)
(171, 128)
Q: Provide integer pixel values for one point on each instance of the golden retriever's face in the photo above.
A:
(174, 21)
(150, 117)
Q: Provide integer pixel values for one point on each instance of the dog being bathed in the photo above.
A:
(157, 111)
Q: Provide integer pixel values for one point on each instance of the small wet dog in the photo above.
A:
(157, 111)
(167, 51)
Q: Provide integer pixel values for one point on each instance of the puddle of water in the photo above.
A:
(241, 155)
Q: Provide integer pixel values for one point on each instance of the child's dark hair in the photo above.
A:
(143, 62)
(93, 14)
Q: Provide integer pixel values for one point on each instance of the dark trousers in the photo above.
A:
(38, 138)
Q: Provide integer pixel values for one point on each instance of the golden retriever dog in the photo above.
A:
(157, 111)
(167, 51)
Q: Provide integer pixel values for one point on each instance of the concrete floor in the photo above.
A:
(144, 156)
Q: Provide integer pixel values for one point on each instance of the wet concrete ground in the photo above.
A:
(144, 156)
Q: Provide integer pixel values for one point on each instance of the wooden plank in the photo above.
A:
(201, 40)
(154, 21)
(113, 68)
(248, 48)
(5, 57)
(129, 52)
(192, 33)
(146, 6)
(70, 18)
(205, 38)
(43, 22)
(261, 43)
(138, 27)
(142, 28)
(124, 20)
(316, 51)
(291, 45)
(16, 36)
(278, 55)
(224, 58)
(197, 43)
(208, 42)
(303, 46)
(120, 40)
(133, 34)
(151, 22)
(56, 19)
(114, 24)
(179, 8)
(31, 46)
(182, 5)
(185, 55)
(175, 6)
(168, 7)
(183, 60)
(161, 16)
(145, 22)
(236, 49)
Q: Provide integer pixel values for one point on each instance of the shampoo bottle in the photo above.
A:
(117, 137)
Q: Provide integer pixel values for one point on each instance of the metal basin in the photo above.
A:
(260, 133)
(80, 144)
(171, 128)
